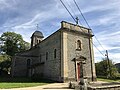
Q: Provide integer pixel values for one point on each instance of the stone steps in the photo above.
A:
(107, 87)
(97, 86)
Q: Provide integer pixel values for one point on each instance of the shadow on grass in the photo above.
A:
(9, 79)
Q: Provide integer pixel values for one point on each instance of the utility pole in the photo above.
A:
(108, 64)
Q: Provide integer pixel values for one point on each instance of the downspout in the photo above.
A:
(90, 55)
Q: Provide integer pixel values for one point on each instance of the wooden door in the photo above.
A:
(78, 70)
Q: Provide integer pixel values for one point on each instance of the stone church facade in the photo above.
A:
(58, 57)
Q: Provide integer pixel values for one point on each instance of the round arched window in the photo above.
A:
(79, 46)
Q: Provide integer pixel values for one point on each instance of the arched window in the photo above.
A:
(54, 53)
(37, 41)
(46, 55)
(28, 63)
(79, 46)
(40, 57)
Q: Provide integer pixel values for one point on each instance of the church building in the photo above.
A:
(59, 56)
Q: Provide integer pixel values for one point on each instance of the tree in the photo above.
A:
(5, 63)
(12, 43)
(102, 69)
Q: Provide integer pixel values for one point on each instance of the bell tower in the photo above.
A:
(36, 38)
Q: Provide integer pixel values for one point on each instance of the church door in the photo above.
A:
(78, 70)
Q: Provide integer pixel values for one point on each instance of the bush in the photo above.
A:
(105, 70)
(118, 76)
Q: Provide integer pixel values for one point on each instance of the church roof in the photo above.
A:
(38, 34)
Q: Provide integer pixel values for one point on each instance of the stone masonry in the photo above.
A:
(58, 56)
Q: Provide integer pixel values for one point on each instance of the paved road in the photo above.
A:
(54, 86)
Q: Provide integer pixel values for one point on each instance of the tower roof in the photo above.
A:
(38, 34)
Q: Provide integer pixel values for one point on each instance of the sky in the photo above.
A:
(103, 16)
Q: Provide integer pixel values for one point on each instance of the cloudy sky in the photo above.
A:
(22, 16)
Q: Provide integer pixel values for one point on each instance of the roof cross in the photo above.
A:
(77, 19)
(37, 26)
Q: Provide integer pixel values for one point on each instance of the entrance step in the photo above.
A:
(97, 86)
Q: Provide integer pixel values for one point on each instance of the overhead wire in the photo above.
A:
(87, 23)
(93, 44)
(79, 21)
(98, 49)
(68, 3)
(70, 7)
(67, 10)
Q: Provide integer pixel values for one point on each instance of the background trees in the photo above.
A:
(102, 69)
(10, 44)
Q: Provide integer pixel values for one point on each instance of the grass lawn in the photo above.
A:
(108, 80)
(19, 85)
(8, 82)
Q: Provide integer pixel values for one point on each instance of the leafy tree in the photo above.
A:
(102, 69)
(4, 57)
(12, 43)
(5, 63)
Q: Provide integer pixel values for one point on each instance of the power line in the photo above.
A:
(81, 12)
(67, 10)
(93, 43)
(98, 41)
(79, 21)
(70, 8)
(68, 3)
(91, 52)
(86, 22)
(98, 50)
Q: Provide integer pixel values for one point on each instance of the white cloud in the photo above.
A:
(7, 4)
(101, 5)
(110, 41)
(102, 15)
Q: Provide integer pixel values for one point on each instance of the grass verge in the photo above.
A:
(8, 82)
(18, 85)
(108, 80)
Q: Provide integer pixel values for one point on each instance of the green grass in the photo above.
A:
(8, 82)
(18, 85)
(108, 80)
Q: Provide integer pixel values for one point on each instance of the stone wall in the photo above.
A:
(72, 33)
(73, 53)
(18, 68)
(19, 62)
(49, 68)
(52, 67)
(60, 67)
